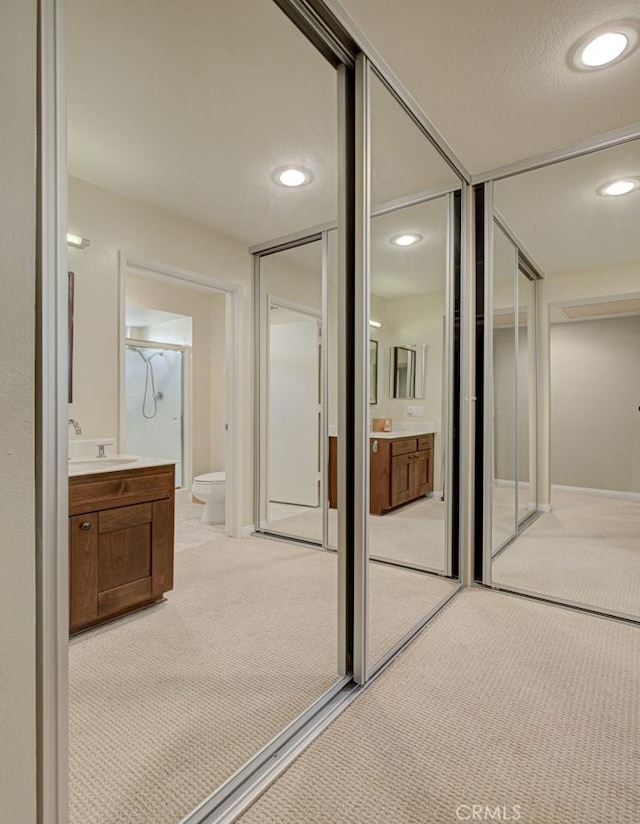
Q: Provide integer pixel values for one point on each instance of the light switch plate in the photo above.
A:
(415, 411)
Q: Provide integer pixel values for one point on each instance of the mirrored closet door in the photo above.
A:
(565, 522)
(414, 222)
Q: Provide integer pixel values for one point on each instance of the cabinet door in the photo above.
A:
(83, 569)
(422, 473)
(401, 479)
(124, 557)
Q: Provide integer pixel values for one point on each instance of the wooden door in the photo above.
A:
(401, 479)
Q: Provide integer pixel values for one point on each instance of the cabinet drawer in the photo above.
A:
(92, 494)
(125, 517)
(425, 442)
(404, 446)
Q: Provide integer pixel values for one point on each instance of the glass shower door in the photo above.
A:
(154, 403)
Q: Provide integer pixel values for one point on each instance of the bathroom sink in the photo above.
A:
(89, 464)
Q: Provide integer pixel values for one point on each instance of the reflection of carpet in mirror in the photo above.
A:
(413, 533)
(586, 550)
(166, 703)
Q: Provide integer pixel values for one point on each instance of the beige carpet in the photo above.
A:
(500, 702)
(166, 704)
(586, 550)
(413, 533)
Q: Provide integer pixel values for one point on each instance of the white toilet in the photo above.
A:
(210, 488)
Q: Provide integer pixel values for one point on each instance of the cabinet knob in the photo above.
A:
(85, 525)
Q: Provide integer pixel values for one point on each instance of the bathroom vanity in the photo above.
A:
(121, 539)
(400, 467)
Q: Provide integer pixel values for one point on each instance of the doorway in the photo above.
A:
(155, 382)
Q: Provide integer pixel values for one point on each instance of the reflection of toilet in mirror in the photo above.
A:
(209, 489)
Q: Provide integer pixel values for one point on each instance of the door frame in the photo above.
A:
(234, 368)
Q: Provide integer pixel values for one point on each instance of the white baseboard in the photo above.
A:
(545, 508)
(247, 530)
(183, 496)
(504, 483)
(598, 493)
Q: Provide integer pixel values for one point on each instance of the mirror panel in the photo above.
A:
(170, 193)
(408, 302)
(579, 509)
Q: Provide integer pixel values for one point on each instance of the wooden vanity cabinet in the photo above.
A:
(401, 470)
(121, 542)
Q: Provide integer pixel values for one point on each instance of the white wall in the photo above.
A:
(595, 393)
(17, 377)
(207, 310)
(115, 224)
(596, 282)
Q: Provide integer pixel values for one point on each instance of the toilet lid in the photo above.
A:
(211, 478)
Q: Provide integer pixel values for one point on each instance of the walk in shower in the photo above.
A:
(154, 402)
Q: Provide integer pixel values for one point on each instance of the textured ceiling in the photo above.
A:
(189, 106)
(562, 222)
(494, 75)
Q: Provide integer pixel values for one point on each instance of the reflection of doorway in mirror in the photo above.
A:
(294, 409)
(154, 401)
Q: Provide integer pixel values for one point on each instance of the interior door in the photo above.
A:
(294, 437)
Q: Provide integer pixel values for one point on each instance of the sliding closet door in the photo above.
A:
(211, 129)
(575, 224)
(413, 220)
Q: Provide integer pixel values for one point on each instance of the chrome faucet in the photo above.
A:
(101, 453)
(76, 426)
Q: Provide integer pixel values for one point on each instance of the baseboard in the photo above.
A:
(598, 493)
(504, 483)
(545, 507)
(247, 530)
(183, 496)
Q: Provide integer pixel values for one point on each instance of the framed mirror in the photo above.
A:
(373, 372)
(407, 371)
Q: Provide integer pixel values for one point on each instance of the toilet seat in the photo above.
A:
(211, 478)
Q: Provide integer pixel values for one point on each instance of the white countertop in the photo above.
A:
(404, 429)
(399, 434)
(113, 463)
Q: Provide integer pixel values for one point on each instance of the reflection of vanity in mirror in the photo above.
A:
(401, 461)
(400, 468)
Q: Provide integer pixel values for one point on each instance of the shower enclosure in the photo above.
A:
(155, 401)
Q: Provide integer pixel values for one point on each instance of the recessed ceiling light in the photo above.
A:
(604, 48)
(605, 45)
(292, 176)
(406, 239)
(623, 186)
